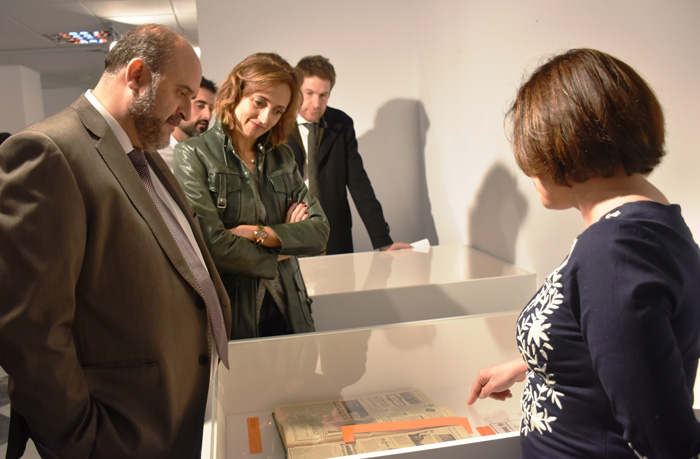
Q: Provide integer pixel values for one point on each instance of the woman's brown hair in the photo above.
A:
(256, 72)
(586, 114)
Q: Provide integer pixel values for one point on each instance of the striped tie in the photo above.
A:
(206, 286)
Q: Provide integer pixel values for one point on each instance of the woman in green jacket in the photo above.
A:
(256, 213)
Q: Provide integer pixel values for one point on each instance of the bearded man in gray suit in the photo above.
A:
(104, 329)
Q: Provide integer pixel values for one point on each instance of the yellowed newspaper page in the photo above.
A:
(380, 443)
(320, 422)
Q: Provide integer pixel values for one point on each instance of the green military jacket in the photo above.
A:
(220, 189)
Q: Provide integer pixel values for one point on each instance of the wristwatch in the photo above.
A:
(260, 235)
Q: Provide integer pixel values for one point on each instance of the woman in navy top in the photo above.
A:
(610, 343)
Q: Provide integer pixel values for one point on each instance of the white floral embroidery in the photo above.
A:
(613, 214)
(533, 342)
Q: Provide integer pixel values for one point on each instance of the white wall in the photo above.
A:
(56, 99)
(473, 55)
(377, 90)
(20, 93)
(453, 66)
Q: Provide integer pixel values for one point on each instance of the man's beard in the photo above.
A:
(193, 129)
(149, 127)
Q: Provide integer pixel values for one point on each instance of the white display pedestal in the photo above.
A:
(379, 288)
(440, 357)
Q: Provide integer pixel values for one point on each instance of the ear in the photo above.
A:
(137, 74)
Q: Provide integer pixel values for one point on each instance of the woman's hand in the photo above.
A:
(248, 232)
(244, 231)
(495, 381)
(297, 212)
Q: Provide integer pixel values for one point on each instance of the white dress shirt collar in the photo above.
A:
(113, 124)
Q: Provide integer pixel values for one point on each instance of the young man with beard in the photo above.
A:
(202, 107)
(112, 310)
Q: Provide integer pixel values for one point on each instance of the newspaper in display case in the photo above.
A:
(393, 420)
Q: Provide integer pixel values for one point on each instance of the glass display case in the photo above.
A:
(378, 288)
(439, 357)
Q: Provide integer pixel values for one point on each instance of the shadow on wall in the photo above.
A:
(500, 209)
(393, 153)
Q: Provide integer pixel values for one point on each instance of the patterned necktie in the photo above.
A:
(312, 158)
(206, 286)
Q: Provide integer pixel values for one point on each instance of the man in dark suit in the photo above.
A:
(108, 318)
(333, 164)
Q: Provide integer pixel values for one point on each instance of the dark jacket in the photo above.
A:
(219, 187)
(340, 169)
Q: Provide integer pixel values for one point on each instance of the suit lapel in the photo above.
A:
(123, 170)
(329, 131)
(168, 180)
(169, 245)
(166, 177)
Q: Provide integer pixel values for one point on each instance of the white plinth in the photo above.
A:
(440, 357)
(379, 288)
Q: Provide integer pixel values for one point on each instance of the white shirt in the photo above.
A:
(167, 152)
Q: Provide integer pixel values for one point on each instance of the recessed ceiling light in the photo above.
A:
(82, 37)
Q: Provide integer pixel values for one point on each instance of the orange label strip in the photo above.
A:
(485, 430)
(254, 439)
(350, 431)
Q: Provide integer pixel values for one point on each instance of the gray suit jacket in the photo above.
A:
(102, 329)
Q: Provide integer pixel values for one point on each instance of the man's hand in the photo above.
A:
(395, 246)
(495, 381)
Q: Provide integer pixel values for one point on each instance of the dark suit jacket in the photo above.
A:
(102, 331)
(340, 169)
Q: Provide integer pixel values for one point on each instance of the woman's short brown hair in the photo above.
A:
(257, 72)
(586, 114)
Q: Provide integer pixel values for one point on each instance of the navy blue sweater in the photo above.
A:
(612, 341)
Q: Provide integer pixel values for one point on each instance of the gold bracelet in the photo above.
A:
(260, 235)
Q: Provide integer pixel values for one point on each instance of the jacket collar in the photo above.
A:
(116, 128)
(263, 144)
(112, 153)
